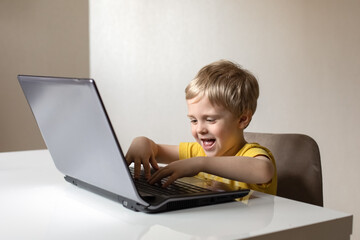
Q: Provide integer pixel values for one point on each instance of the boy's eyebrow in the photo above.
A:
(205, 115)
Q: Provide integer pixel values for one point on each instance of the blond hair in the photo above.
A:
(226, 84)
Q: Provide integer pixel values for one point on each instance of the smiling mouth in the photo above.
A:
(208, 143)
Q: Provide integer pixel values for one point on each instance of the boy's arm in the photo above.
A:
(244, 169)
(167, 153)
(144, 151)
(255, 170)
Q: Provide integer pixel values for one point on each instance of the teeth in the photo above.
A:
(208, 142)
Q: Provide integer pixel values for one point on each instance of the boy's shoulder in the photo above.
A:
(253, 150)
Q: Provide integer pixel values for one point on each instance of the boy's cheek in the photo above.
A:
(193, 133)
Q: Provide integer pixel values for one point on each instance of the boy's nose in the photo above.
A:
(201, 128)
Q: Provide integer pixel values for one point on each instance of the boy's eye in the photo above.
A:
(193, 121)
(210, 120)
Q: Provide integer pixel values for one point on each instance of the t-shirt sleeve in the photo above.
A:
(256, 151)
(184, 150)
(189, 150)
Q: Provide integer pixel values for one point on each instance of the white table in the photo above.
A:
(37, 203)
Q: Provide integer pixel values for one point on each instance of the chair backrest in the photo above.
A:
(298, 165)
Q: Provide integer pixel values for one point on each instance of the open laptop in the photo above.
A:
(80, 138)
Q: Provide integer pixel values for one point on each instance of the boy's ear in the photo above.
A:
(245, 119)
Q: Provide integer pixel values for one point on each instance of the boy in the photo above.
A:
(221, 100)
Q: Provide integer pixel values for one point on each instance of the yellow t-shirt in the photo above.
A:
(189, 150)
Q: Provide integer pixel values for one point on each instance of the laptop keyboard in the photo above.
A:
(176, 188)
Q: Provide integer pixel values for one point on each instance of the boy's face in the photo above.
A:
(215, 128)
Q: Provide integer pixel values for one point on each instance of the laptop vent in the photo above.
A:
(182, 204)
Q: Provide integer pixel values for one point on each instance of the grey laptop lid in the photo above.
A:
(76, 101)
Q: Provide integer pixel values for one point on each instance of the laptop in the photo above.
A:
(81, 140)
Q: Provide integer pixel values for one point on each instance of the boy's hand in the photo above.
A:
(142, 152)
(177, 169)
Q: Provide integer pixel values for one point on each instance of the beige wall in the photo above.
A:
(43, 38)
(305, 53)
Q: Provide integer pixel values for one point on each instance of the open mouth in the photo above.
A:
(208, 143)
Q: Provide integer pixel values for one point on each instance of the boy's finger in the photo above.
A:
(147, 170)
(137, 168)
(153, 162)
(157, 176)
(127, 158)
(169, 181)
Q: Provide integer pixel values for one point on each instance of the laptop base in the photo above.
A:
(168, 204)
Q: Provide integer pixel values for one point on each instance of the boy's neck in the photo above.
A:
(237, 147)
